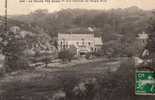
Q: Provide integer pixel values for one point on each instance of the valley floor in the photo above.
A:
(41, 84)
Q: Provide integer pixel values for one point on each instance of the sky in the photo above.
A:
(15, 7)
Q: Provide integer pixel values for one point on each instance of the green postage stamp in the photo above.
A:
(145, 83)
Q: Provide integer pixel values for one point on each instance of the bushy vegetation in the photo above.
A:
(13, 48)
(19, 46)
(119, 26)
(128, 22)
(67, 54)
(88, 55)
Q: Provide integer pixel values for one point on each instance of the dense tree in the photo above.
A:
(110, 24)
(130, 20)
(13, 46)
(67, 54)
(19, 46)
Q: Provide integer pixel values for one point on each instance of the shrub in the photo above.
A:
(66, 55)
(15, 58)
(88, 55)
(13, 63)
(99, 53)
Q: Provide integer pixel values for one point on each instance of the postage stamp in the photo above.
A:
(145, 83)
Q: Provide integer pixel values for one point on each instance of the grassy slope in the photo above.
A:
(40, 85)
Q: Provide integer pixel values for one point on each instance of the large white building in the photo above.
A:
(82, 42)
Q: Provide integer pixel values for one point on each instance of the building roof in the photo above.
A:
(62, 36)
(79, 37)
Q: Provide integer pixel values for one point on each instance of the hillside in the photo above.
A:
(23, 25)
(121, 21)
(118, 27)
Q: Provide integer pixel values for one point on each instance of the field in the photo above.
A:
(106, 81)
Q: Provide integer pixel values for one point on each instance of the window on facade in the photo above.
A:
(61, 44)
(66, 44)
(92, 49)
(95, 49)
(89, 43)
(82, 41)
(77, 43)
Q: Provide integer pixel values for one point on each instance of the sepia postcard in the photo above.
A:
(77, 49)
